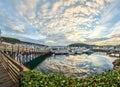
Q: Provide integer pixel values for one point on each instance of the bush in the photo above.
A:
(116, 62)
(35, 78)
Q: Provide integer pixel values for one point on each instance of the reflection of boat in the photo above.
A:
(53, 54)
(72, 52)
(89, 52)
(79, 52)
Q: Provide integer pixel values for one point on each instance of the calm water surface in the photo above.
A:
(77, 65)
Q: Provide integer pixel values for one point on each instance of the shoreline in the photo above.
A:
(116, 64)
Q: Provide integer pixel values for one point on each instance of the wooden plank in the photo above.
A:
(9, 68)
(14, 79)
(10, 64)
(15, 63)
(3, 80)
(3, 75)
(8, 83)
(17, 72)
(2, 71)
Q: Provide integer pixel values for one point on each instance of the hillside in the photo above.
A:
(79, 45)
(14, 41)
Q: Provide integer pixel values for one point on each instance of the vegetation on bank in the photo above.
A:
(79, 45)
(89, 45)
(35, 78)
(14, 41)
(10, 40)
(116, 63)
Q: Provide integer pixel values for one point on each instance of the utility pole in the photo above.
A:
(0, 36)
(0, 33)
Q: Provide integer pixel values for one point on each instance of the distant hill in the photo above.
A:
(10, 40)
(14, 41)
(79, 45)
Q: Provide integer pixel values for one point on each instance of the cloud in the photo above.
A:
(98, 31)
(54, 21)
(100, 2)
(72, 65)
(107, 24)
(110, 13)
(18, 28)
(115, 29)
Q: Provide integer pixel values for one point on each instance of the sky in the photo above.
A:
(59, 22)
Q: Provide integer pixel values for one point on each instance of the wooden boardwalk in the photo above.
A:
(5, 79)
(22, 54)
(10, 71)
(11, 67)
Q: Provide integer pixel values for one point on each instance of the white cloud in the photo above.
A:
(104, 26)
(92, 4)
(115, 29)
(18, 28)
(49, 42)
(96, 33)
(57, 6)
(65, 21)
(100, 2)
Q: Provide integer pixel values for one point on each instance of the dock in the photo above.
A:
(12, 59)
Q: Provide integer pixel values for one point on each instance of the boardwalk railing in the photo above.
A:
(13, 68)
(14, 48)
(23, 54)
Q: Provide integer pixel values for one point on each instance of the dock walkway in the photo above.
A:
(5, 79)
(10, 71)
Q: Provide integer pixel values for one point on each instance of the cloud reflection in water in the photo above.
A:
(77, 65)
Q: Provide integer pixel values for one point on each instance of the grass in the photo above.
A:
(35, 78)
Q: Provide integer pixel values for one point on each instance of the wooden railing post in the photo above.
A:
(12, 67)
(12, 51)
(17, 53)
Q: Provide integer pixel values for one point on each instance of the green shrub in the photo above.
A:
(116, 62)
(35, 78)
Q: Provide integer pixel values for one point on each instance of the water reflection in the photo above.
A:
(77, 65)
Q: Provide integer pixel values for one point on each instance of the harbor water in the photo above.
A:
(77, 65)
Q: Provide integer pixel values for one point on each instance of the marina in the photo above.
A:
(77, 65)
(59, 43)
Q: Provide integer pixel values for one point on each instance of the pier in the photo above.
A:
(111, 51)
(10, 71)
(12, 60)
(22, 54)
